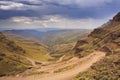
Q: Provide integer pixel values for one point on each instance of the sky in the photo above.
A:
(82, 14)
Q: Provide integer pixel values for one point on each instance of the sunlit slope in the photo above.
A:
(62, 50)
(52, 38)
(34, 49)
(12, 58)
(107, 39)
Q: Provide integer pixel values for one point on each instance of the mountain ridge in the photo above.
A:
(50, 36)
(106, 39)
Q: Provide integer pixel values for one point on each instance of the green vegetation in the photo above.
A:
(10, 65)
(60, 50)
(33, 48)
(14, 53)
(12, 60)
(35, 51)
(60, 42)
(63, 36)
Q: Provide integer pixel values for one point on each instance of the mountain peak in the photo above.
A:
(117, 17)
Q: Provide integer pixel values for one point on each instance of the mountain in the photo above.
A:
(55, 39)
(16, 53)
(33, 47)
(51, 36)
(107, 39)
(66, 36)
(49, 29)
(12, 58)
(26, 33)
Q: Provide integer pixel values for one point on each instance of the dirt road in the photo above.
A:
(83, 64)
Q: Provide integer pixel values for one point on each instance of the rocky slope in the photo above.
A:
(105, 38)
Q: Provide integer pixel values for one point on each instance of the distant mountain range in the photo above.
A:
(51, 36)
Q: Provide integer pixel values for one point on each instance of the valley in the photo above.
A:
(61, 54)
(30, 50)
(49, 40)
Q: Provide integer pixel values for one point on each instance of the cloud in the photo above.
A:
(65, 8)
(29, 4)
(25, 20)
(19, 23)
(55, 21)
(10, 5)
(62, 22)
(79, 3)
(56, 13)
(86, 3)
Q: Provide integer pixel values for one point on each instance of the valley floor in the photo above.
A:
(53, 70)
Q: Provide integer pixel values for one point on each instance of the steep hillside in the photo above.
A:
(107, 39)
(33, 47)
(12, 60)
(100, 38)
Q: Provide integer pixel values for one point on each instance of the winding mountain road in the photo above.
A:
(82, 65)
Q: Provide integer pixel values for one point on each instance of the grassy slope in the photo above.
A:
(56, 40)
(63, 36)
(12, 60)
(62, 42)
(62, 49)
(34, 49)
(106, 38)
(106, 69)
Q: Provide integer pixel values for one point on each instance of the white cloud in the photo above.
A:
(81, 3)
(61, 22)
(25, 20)
(18, 5)
(10, 5)
(19, 23)
(51, 22)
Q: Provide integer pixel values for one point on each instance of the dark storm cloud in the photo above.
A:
(66, 8)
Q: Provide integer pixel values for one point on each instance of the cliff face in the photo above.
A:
(105, 38)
